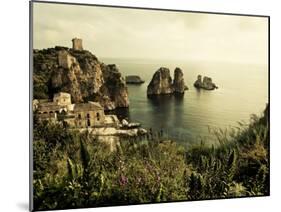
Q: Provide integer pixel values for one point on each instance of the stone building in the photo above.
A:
(81, 115)
(77, 44)
(89, 114)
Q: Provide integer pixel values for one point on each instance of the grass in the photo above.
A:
(73, 170)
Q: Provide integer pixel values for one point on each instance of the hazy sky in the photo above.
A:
(116, 32)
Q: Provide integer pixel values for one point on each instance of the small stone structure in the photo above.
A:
(82, 115)
(77, 44)
(62, 98)
(89, 114)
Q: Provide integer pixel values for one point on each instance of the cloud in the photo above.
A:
(138, 33)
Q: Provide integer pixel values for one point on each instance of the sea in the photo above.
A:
(191, 118)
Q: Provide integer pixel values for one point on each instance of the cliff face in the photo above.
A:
(79, 73)
(162, 83)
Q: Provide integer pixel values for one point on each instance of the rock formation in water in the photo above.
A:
(178, 84)
(133, 79)
(206, 84)
(162, 82)
(79, 73)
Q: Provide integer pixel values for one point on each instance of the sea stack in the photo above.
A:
(178, 84)
(162, 82)
(207, 83)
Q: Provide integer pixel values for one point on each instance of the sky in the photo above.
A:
(152, 34)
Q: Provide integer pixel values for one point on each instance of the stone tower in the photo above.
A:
(77, 44)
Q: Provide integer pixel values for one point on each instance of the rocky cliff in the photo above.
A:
(79, 73)
(162, 82)
(206, 84)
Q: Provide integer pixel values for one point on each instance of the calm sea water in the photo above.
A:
(243, 90)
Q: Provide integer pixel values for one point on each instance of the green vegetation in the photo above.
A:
(75, 170)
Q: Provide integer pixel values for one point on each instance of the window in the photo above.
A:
(79, 116)
(88, 115)
(98, 116)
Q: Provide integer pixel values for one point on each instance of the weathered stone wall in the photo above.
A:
(70, 122)
(63, 99)
(52, 117)
(89, 118)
